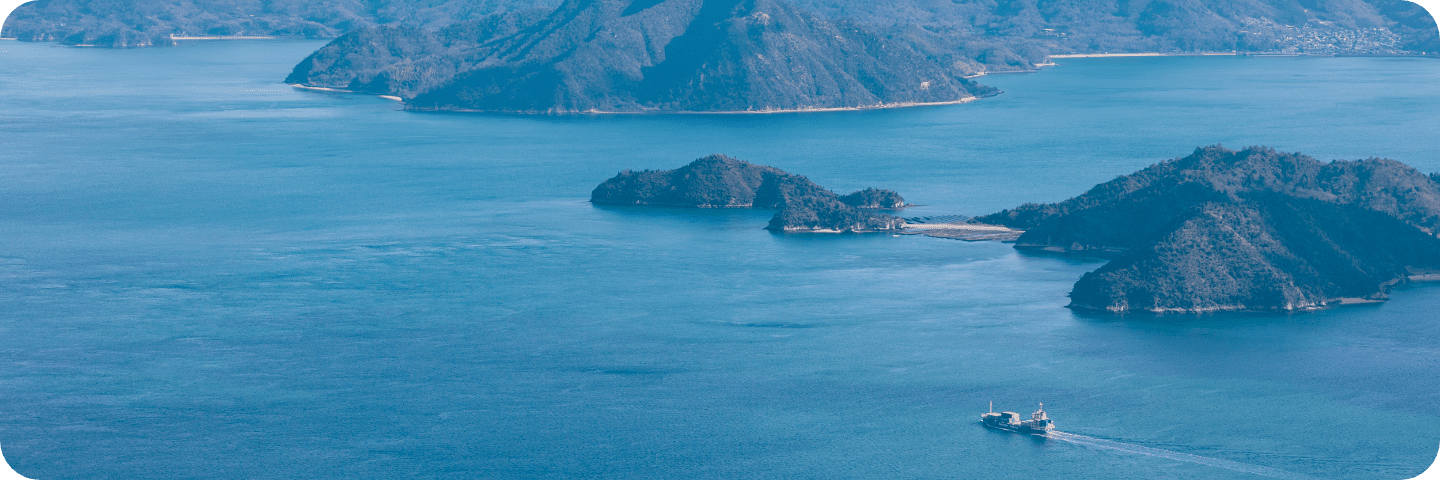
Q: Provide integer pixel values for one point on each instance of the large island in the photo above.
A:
(1254, 229)
(648, 56)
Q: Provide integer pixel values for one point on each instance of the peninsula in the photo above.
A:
(718, 181)
(1254, 229)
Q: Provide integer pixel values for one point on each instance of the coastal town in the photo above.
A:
(1318, 37)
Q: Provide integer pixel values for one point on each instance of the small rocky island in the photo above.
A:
(1255, 229)
(718, 181)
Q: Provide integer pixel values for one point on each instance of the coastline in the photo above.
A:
(1143, 54)
(322, 89)
(1037, 68)
(877, 106)
(880, 106)
(1047, 62)
(341, 90)
(1338, 302)
(1226, 54)
(970, 232)
(224, 37)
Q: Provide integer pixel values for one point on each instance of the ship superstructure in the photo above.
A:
(1039, 423)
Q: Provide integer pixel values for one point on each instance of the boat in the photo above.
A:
(1038, 424)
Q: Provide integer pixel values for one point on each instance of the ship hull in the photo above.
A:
(1015, 429)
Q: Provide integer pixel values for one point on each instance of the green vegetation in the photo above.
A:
(6, 6)
(1253, 229)
(874, 198)
(540, 56)
(118, 23)
(992, 33)
(679, 55)
(1263, 251)
(718, 181)
(404, 61)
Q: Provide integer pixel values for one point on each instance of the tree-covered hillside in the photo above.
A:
(1056, 26)
(676, 55)
(1254, 229)
(1087, 26)
(132, 23)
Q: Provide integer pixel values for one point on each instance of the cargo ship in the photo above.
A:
(1038, 424)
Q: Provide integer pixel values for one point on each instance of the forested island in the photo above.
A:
(623, 56)
(718, 181)
(593, 56)
(994, 33)
(1218, 230)
(1254, 229)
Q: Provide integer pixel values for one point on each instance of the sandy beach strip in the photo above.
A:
(1142, 54)
(225, 37)
(970, 232)
(341, 90)
(321, 89)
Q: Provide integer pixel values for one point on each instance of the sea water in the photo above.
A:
(206, 273)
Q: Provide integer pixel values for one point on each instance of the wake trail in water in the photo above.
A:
(1183, 457)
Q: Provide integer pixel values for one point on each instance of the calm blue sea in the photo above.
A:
(205, 273)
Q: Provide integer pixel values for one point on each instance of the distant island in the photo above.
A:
(985, 35)
(1255, 229)
(623, 56)
(756, 56)
(718, 181)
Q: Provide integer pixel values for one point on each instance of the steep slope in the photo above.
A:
(996, 32)
(116, 23)
(405, 61)
(1249, 230)
(1272, 252)
(693, 55)
(1116, 215)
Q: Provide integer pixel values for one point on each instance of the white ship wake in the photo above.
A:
(1167, 454)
